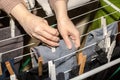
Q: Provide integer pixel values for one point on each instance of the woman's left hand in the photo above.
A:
(68, 30)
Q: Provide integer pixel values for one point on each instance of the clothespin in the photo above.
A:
(12, 25)
(109, 55)
(33, 60)
(40, 63)
(0, 64)
(106, 36)
(32, 50)
(81, 62)
(10, 70)
(52, 70)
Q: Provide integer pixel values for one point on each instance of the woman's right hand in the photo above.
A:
(35, 26)
(38, 27)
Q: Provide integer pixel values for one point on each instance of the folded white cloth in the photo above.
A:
(71, 4)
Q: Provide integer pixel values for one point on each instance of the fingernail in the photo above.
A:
(69, 47)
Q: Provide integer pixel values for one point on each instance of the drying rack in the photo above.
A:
(76, 17)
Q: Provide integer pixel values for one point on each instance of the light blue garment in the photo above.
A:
(62, 50)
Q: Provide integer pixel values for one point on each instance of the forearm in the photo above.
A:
(20, 12)
(60, 8)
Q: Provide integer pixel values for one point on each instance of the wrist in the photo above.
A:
(62, 18)
(60, 8)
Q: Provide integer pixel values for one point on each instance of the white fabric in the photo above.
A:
(71, 3)
(30, 4)
(46, 7)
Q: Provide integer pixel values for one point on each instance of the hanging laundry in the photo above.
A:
(105, 11)
(74, 72)
(6, 74)
(97, 36)
(61, 65)
(8, 44)
(96, 55)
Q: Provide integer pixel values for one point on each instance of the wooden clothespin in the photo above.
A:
(81, 62)
(10, 70)
(40, 63)
(113, 44)
(52, 70)
(1, 65)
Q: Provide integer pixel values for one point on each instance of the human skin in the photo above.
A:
(38, 27)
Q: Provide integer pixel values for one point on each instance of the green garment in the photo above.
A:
(105, 11)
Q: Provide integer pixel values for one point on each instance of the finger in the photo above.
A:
(76, 40)
(52, 31)
(67, 41)
(49, 42)
(49, 36)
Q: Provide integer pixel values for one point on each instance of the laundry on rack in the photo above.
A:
(6, 74)
(7, 43)
(66, 64)
(32, 74)
(97, 36)
(74, 71)
(96, 55)
(61, 65)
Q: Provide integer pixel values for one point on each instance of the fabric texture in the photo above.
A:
(96, 55)
(97, 36)
(62, 65)
(105, 11)
(9, 44)
(5, 73)
(109, 9)
(33, 75)
(8, 5)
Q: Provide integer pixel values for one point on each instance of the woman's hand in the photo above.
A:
(65, 25)
(35, 26)
(38, 27)
(68, 30)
